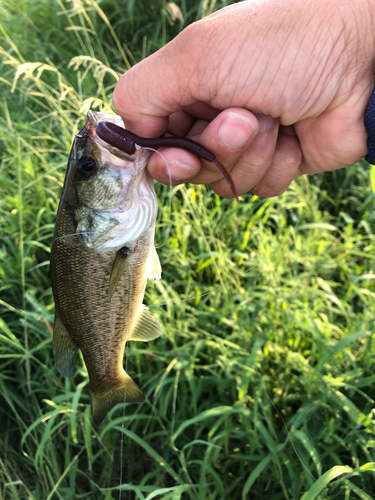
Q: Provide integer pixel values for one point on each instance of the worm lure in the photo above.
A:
(126, 141)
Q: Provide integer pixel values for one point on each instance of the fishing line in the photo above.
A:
(168, 230)
(124, 407)
(241, 274)
(170, 196)
(238, 275)
(69, 235)
(160, 386)
(291, 440)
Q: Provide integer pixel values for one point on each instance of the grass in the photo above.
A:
(262, 386)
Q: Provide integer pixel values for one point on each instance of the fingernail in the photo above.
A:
(266, 122)
(180, 171)
(235, 130)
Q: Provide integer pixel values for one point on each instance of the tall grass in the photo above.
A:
(262, 386)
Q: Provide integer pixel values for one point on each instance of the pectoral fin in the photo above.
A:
(146, 328)
(127, 392)
(153, 271)
(64, 349)
(118, 269)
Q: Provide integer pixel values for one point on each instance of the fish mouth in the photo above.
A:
(93, 119)
(82, 133)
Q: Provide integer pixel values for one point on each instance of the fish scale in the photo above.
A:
(98, 293)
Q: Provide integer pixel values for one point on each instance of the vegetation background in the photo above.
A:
(262, 386)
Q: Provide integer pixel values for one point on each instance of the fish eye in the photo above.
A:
(87, 166)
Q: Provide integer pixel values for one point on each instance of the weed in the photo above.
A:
(262, 385)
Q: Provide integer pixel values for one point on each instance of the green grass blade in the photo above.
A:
(324, 480)
(255, 474)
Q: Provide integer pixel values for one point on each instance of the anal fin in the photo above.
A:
(146, 327)
(64, 349)
(127, 392)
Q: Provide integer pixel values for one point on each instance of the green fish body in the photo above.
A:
(102, 254)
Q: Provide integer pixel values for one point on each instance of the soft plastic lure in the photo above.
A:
(126, 141)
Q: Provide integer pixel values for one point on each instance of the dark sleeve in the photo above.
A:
(370, 128)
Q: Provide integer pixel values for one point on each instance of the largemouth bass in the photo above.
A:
(102, 254)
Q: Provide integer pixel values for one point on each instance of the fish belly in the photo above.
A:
(88, 318)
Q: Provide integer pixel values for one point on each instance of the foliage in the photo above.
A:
(262, 385)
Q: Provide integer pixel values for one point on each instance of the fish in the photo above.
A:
(102, 254)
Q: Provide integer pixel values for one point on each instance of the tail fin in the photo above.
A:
(103, 401)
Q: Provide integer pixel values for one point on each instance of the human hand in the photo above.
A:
(274, 89)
